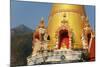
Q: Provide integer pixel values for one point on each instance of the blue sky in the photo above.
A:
(30, 13)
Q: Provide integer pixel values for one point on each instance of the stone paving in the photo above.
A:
(55, 56)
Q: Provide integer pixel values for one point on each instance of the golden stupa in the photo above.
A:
(75, 17)
(68, 28)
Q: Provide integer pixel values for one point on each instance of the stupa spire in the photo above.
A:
(42, 23)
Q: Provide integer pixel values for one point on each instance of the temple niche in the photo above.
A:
(64, 34)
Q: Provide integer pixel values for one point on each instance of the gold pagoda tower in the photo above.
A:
(75, 18)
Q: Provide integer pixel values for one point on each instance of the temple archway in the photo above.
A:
(63, 38)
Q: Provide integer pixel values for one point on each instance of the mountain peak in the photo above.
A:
(21, 29)
(21, 26)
